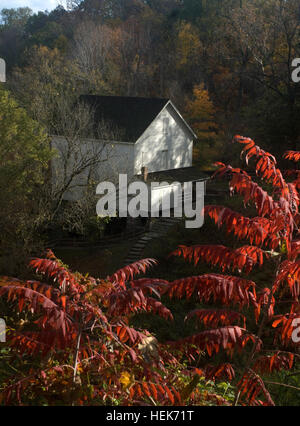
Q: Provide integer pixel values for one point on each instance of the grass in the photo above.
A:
(96, 262)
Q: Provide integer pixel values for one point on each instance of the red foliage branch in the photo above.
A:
(213, 340)
(128, 272)
(53, 316)
(251, 385)
(159, 392)
(292, 156)
(224, 371)
(287, 325)
(258, 230)
(266, 164)
(263, 301)
(289, 272)
(214, 318)
(280, 212)
(272, 363)
(134, 300)
(216, 287)
(243, 258)
(57, 272)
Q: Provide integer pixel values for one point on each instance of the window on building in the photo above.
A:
(165, 125)
(164, 159)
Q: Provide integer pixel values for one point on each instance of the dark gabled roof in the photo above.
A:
(129, 115)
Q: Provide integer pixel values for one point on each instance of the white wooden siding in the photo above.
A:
(115, 158)
(165, 145)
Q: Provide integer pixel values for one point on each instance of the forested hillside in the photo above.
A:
(236, 55)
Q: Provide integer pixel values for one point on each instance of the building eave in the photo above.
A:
(188, 128)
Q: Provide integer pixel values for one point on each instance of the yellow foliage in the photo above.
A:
(188, 44)
(200, 113)
(126, 379)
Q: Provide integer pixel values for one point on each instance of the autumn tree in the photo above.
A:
(188, 53)
(83, 350)
(25, 153)
(50, 89)
(262, 48)
(82, 150)
(201, 114)
(12, 31)
(272, 234)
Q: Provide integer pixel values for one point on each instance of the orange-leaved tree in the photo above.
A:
(74, 343)
(71, 341)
